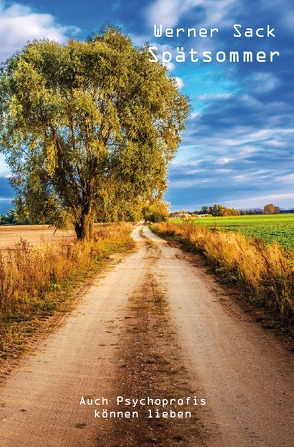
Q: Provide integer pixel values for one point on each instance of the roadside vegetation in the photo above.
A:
(265, 271)
(36, 282)
(269, 228)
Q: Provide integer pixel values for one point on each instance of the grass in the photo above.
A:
(265, 271)
(272, 228)
(36, 282)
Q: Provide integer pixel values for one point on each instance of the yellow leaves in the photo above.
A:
(51, 160)
(99, 112)
(81, 102)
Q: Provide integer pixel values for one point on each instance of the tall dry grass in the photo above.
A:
(35, 281)
(266, 272)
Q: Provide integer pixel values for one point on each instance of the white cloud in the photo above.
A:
(207, 96)
(20, 24)
(137, 39)
(283, 200)
(275, 143)
(262, 134)
(223, 161)
(180, 82)
(288, 179)
(230, 142)
(223, 171)
(170, 66)
(3, 166)
(161, 49)
(188, 183)
(265, 134)
(170, 12)
(264, 82)
(181, 164)
(195, 115)
(242, 178)
(195, 171)
(250, 101)
(164, 12)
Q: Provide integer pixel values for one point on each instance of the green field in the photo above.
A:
(277, 227)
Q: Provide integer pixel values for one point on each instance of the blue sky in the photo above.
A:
(237, 149)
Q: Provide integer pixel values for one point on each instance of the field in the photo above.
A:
(39, 269)
(10, 235)
(277, 227)
(264, 271)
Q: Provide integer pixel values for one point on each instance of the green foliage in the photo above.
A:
(218, 210)
(88, 128)
(9, 219)
(156, 212)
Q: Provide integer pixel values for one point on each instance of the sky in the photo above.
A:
(237, 149)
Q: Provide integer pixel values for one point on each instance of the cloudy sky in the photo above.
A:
(237, 149)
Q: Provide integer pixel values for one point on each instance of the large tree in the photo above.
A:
(88, 127)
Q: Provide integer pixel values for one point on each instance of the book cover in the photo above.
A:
(163, 346)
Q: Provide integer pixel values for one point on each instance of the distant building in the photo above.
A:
(180, 214)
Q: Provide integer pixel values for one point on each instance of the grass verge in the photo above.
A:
(265, 272)
(36, 282)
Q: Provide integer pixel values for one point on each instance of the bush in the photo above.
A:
(34, 281)
(266, 272)
(156, 212)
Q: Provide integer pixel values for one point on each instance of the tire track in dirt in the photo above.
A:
(116, 342)
(150, 367)
(154, 326)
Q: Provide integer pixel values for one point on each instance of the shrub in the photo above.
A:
(35, 281)
(265, 271)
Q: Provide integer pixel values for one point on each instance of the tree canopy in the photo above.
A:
(218, 210)
(88, 128)
(270, 208)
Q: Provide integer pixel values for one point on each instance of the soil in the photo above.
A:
(154, 325)
(11, 234)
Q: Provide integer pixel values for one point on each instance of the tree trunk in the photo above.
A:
(84, 228)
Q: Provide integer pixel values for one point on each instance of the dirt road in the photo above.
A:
(245, 376)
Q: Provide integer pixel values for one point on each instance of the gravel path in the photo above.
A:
(245, 375)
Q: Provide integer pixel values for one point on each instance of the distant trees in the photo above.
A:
(9, 219)
(156, 211)
(218, 210)
(88, 128)
(270, 208)
(204, 210)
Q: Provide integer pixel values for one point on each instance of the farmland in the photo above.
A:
(270, 228)
(40, 268)
(263, 271)
(10, 235)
